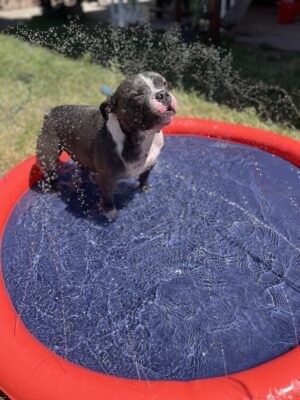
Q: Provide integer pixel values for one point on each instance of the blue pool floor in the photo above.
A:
(197, 278)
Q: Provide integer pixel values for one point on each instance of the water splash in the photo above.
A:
(290, 392)
(189, 64)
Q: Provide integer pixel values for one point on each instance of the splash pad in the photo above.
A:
(193, 291)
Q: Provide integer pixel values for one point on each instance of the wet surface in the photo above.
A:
(200, 277)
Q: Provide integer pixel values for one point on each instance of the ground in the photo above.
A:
(260, 26)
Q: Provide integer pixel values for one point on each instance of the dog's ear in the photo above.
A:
(108, 106)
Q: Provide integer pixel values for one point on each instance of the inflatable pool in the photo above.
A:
(193, 292)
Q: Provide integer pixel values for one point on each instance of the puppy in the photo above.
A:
(121, 140)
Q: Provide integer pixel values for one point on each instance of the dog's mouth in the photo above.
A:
(171, 109)
(164, 112)
(170, 112)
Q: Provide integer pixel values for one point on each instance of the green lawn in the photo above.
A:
(33, 79)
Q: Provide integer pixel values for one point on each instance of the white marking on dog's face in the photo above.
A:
(143, 102)
(162, 87)
(149, 83)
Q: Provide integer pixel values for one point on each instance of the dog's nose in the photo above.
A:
(164, 97)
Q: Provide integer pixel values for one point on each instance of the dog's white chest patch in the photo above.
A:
(151, 146)
(150, 150)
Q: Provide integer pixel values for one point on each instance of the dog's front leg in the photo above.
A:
(143, 180)
(107, 185)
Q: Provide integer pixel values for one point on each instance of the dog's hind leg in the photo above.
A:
(48, 151)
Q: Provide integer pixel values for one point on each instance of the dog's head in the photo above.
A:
(141, 103)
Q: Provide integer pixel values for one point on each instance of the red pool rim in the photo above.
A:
(28, 370)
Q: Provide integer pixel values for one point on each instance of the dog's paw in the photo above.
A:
(110, 214)
(144, 188)
(47, 185)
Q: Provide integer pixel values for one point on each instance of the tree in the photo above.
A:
(215, 21)
(46, 6)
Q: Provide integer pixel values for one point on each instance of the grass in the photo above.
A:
(33, 79)
(268, 64)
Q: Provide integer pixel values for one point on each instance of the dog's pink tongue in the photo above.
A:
(157, 105)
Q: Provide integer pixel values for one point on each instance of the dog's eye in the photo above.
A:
(136, 94)
(165, 83)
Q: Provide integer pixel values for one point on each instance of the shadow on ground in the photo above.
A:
(81, 195)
